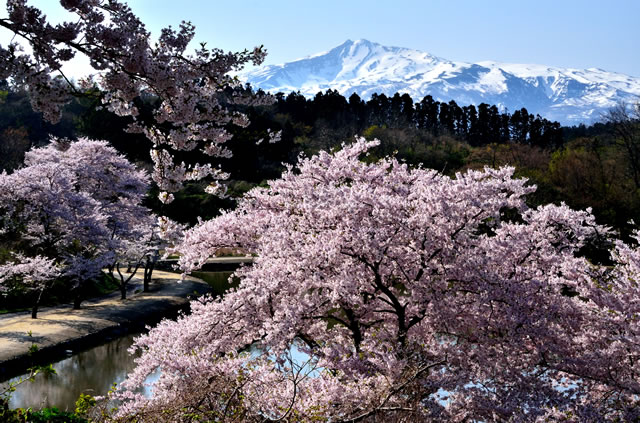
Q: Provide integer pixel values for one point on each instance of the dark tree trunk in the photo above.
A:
(77, 296)
(148, 271)
(124, 282)
(145, 281)
(36, 304)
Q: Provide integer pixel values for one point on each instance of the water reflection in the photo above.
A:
(92, 372)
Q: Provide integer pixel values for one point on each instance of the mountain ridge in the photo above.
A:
(568, 95)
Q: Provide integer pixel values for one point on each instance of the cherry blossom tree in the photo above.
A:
(115, 184)
(104, 174)
(50, 224)
(165, 234)
(130, 252)
(105, 216)
(411, 295)
(186, 87)
(143, 247)
(30, 273)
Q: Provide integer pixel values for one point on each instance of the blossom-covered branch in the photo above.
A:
(186, 86)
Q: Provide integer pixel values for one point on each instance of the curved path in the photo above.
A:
(60, 329)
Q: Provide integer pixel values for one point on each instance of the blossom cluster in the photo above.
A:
(33, 272)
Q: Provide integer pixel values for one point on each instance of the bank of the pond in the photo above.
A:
(25, 342)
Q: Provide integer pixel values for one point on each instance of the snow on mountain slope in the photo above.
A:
(570, 96)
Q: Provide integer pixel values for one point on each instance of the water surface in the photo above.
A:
(92, 372)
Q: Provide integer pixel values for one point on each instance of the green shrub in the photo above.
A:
(53, 415)
(46, 415)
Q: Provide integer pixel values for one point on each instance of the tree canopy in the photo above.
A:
(77, 204)
(414, 296)
(184, 86)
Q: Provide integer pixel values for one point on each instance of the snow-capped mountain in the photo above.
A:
(570, 96)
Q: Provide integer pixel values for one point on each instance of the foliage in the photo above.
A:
(141, 246)
(28, 274)
(13, 144)
(477, 125)
(23, 415)
(592, 172)
(21, 128)
(84, 403)
(53, 415)
(46, 415)
(18, 300)
(306, 126)
(44, 218)
(414, 296)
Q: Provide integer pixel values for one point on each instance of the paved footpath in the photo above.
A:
(60, 328)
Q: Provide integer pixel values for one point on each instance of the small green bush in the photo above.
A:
(53, 415)
(46, 415)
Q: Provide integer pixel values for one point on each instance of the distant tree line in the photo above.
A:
(323, 121)
(477, 126)
(328, 112)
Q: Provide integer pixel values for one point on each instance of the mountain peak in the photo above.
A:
(350, 42)
(362, 41)
(570, 96)
(350, 45)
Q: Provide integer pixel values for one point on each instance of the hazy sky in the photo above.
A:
(567, 33)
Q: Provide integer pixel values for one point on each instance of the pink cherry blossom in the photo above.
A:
(43, 216)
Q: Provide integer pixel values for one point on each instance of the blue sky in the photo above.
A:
(568, 33)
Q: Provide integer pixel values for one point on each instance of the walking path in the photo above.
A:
(59, 329)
